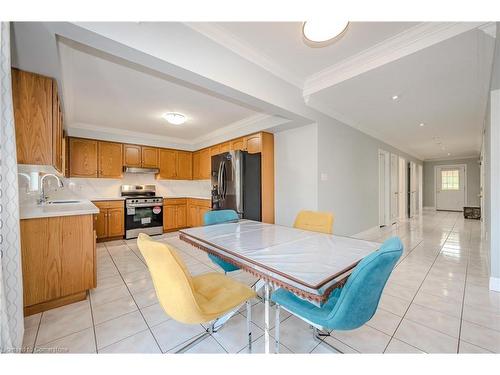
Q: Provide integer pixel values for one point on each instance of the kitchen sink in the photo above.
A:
(64, 201)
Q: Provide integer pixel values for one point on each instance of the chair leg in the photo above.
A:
(193, 342)
(319, 337)
(249, 325)
(277, 330)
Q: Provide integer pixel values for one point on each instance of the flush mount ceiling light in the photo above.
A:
(421, 124)
(322, 33)
(174, 118)
(395, 97)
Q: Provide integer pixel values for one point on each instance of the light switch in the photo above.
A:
(324, 177)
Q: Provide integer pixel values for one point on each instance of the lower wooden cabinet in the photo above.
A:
(110, 221)
(58, 261)
(180, 213)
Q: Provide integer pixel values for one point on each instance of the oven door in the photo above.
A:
(142, 220)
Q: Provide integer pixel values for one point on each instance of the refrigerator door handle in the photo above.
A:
(223, 180)
(219, 180)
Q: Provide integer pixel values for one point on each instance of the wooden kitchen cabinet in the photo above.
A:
(58, 261)
(110, 221)
(184, 165)
(202, 164)
(225, 147)
(253, 143)
(83, 157)
(174, 214)
(149, 157)
(214, 150)
(196, 165)
(238, 144)
(132, 156)
(196, 208)
(168, 164)
(110, 157)
(38, 119)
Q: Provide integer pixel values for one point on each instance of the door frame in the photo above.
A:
(387, 188)
(394, 220)
(466, 203)
(403, 196)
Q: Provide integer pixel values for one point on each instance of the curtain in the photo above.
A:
(11, 287)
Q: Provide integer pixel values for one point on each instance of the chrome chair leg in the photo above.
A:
(249, 325)
(193, 342)
(319, 336)
(277, 330)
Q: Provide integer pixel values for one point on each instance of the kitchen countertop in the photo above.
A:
(186, 196)
(34, 211)
(108, 199)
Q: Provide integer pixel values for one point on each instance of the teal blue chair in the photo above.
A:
(218, 217)
(350, 306)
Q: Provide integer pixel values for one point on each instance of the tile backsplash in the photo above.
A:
(93, 188)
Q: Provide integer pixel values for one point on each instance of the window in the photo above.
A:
(450, 180)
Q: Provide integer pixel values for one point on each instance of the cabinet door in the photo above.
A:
(83, 157)
(132, 156)
(41, 260)
(253, 143)
(110, 159)
(225, 147)
(149, 157)
(32, 100)
(184, 165)
(168, 164)
(196, 165)
(57, 138)
(116, 222)
(181, 217)
(101, 223)
(238, 144)
(201, 213)
(77, 260)
(215, 150)
(192, 216)
(205, 167)
(169, 216)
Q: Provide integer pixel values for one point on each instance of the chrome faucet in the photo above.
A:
(43, 197)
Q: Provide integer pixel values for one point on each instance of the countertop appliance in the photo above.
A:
(143, 210)
(236, 183)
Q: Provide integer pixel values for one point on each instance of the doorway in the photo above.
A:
(384, 189)
(394, 188)
(450, 187)
(412, 189)
(402, 188)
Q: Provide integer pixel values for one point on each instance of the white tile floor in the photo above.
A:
(436, 301)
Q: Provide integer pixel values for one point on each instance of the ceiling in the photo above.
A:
(282, 42)
(443, 86)
(105, 92)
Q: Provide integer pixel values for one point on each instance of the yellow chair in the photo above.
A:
(314, 221)
(187, 299)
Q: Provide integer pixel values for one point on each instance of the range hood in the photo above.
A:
(140, 170)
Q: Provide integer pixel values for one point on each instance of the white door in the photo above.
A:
(402, 188)
(413, 188)
(420, 189)
(450, 187)
(394, 188)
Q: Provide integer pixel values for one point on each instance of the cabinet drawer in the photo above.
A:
(174, 201)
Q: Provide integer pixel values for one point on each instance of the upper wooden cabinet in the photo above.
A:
(140, 156)
(132, 156)
(149, 157)
(253, 143)
(184, 165)
(38, 119)
(238, 144)
(90, 158)
(82, 157)
(203, 167)
(110, 156)
(175, 165)
(215, 150)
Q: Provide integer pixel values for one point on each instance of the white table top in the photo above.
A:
(307, 260)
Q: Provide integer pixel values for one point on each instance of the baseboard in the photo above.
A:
(495, 284)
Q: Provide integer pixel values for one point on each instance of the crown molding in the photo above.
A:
(403, 44)
(238, 128)
(475, 157)
(243, 49)
(490, 29)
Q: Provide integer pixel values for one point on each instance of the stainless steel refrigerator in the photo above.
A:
(236, 184)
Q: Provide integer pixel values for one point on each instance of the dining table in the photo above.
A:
(309, 264)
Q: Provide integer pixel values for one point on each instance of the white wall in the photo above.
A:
(296, 172)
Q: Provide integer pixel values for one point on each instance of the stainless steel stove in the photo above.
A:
(143, 210)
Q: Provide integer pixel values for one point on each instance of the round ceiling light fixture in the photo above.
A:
(174, 118)
(322, 33)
